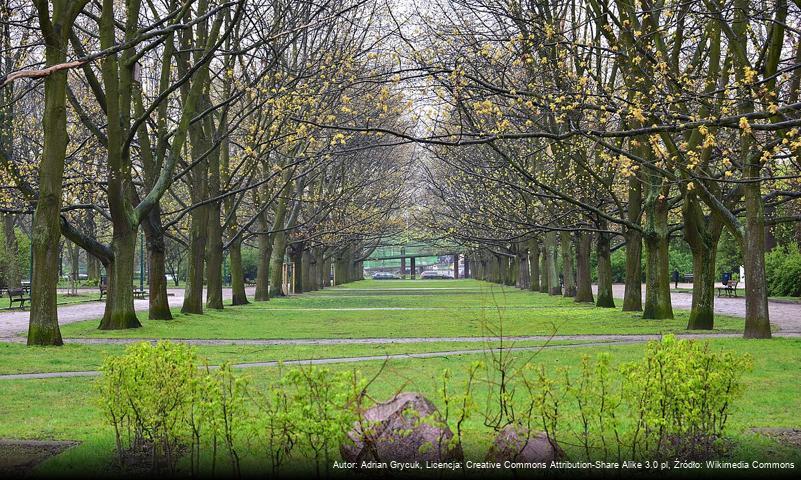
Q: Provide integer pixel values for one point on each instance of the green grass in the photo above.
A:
(447, 308)
(65, 408)
(18, 358)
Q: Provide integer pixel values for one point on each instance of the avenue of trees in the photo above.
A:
(184, 119)
(542, 135)
(583, 126)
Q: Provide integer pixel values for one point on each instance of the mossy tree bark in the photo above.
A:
(605, 298)
(583, 268)
(119, 313)
(296, 254)
(265, 246)
(214, 243)
(46, 231)
(702, 234)
(554, 288)
(193, 292)
(523, 273)
(658, 304)
(545, 276)
(568, 271)
(534, 261)
(238, 294)
(632, 297)
(159, 306)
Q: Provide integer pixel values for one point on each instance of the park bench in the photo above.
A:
(137, 292)
(17, 295)
(729, 289)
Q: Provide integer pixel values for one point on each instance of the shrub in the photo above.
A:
(783, 271)
(674, 402)
(164, 406)
(147, 395)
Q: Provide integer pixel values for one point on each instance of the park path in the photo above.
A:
(786, 316)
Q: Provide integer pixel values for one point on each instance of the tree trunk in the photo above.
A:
(263, 267)
(605, 297)
(512, 266)
(658, 304)
(757, 320)
(307, 272)
(534, 262)
(277, 264)
(193, 296)
(632, 298)
(46, 229)
(238, 295)
(159, 307)
(523, 273)
(120, 313)
(702, 235)
(554, 288)
(657, 279)
(583, 268)
(567, 264)
(545, 283)
(214, 259)
(296, 250)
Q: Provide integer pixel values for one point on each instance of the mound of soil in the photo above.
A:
(19, 457)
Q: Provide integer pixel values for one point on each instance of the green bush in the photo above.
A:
(783, 271)
(165, 407)
(148, 396)
(674, 403)
(167, 410)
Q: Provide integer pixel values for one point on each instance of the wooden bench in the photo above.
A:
(728, 290)
(17, 295)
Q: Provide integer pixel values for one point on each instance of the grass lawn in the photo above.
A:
(66, 408)
(403, 308)
(18, 358)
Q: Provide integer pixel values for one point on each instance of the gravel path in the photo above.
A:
(787, 316)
